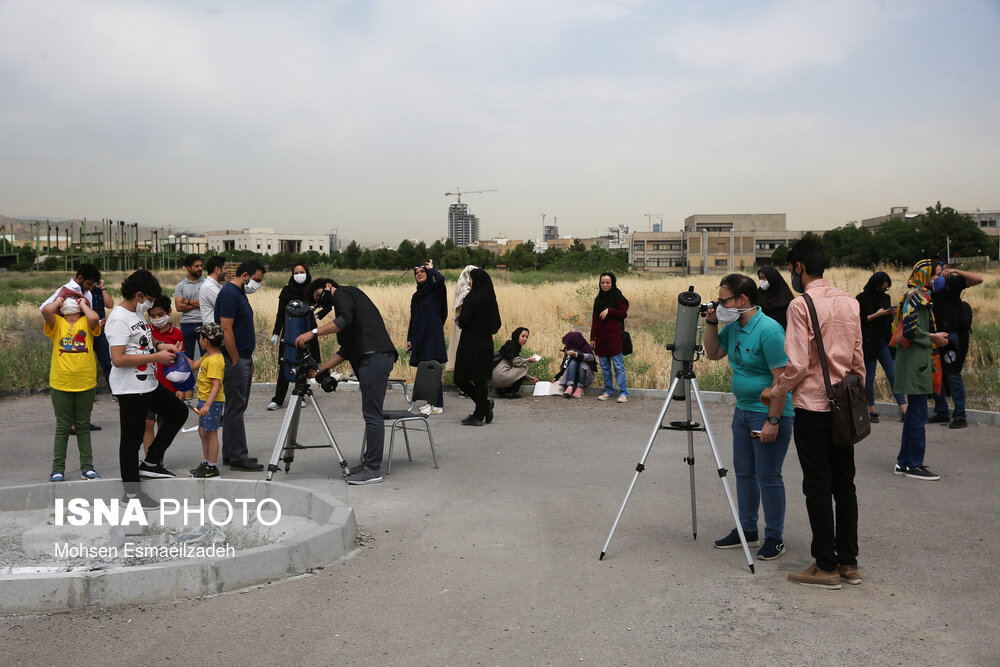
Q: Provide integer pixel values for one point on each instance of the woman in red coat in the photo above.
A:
(607, 324)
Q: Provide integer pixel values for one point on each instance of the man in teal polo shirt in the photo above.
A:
(755, 346)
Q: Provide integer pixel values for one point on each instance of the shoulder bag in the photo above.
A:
(849, 418)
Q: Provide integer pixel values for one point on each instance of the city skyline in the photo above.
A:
(361, 116)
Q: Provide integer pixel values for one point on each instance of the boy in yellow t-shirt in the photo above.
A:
(211, 399)
(72, 324)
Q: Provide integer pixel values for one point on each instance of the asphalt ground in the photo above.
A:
(493, 558)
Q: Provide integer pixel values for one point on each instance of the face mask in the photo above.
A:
(938, 283)
(764, 284)
(70, 306)
(142, 306)
(727, 315)
(299, 278)
(797, 283)
(160, 321)
(251, 287)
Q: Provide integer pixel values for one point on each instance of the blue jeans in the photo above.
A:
(618, 361)
(758, 472)
(192, 340)
(914, 440)
(575, 373)
(884, 357)
(957, 388)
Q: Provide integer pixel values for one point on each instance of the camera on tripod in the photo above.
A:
(305, 364)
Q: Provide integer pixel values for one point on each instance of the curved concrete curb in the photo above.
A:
(326, 543)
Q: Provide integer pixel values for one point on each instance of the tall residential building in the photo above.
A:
(463, 227)
(550, 232)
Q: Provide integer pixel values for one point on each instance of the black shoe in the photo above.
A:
(489, 412)
(939, 418)
(472, 421)
(145, 501)
(225, 461)
(958, 423)
(732, 540)
(249, 465)
(95, 427)
(514, 394)
(154, 470)
(873, 417)
(196, 472)
(921, 472)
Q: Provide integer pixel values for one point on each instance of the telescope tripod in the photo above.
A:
(286, 442)
(690, 385)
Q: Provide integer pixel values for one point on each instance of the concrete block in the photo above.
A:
(43, 540)
(253, 567)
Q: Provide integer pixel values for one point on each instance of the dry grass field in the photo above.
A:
(549, 310)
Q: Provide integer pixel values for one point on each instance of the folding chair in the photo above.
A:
(426, 387)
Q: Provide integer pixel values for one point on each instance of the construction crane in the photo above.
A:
(458, 193)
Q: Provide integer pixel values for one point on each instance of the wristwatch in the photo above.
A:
(773, 420)
(315, 332)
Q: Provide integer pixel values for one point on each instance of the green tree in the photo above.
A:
(366, 260)
(351, 255)
(849, 245)
(939, 224)
(550, 256)
(521, 257)
(578, 246)
(408, 255)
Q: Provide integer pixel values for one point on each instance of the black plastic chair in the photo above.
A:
(426, 387)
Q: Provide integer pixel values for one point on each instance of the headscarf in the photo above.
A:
(878, 279)
(512, 348)
(293, 290)
(777, 294)
(430, 289)
(918, 296)
(611, 298)
(481, 294)
(575, 340)
(462, 288)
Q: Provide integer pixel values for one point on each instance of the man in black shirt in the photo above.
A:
(365, 343)
(954, 317)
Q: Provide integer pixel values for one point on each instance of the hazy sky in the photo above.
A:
(359, 116)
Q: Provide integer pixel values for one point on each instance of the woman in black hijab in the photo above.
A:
(511, 370)
(479, 320)
(877, 312)
(607, 324)
(295, 289)
(428, 312)
(774, 295)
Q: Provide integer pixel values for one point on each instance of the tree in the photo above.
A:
(521, 257)
(939, 224)
(578, 246)
(351, 255)
(550, 256)
(849, 245)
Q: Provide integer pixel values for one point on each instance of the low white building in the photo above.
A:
(267, 241)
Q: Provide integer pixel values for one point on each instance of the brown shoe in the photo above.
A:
(814, 576)
(850, 574)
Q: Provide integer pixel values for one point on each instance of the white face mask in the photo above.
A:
(764, 284)
(160, 321)
(70, 306)
(142, 306)
(299, 278)
(730, 315)
(251, 287)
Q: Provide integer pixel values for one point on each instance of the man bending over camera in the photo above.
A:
(365, 343)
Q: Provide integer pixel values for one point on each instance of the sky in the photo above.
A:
(360, 115)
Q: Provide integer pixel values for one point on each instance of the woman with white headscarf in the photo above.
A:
(461, 291)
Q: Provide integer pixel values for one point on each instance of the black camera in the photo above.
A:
(306, 363)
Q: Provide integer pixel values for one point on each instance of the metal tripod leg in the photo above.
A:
(690, 457)
(329, 433)
(291, 415)
(720, 468)
(641, 465)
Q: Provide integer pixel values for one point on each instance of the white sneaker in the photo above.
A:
(622, 398)
(604, 397)
(273, 406)
(430, 410)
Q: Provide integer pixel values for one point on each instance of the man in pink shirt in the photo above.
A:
(827, 471)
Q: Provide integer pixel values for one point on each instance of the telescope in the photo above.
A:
(685, 347)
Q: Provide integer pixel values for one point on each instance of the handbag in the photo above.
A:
(626, 342)
(849, 417)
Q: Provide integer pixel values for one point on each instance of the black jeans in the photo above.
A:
(373, 378)
(827, 478)
(281, 386)
(132, 409)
